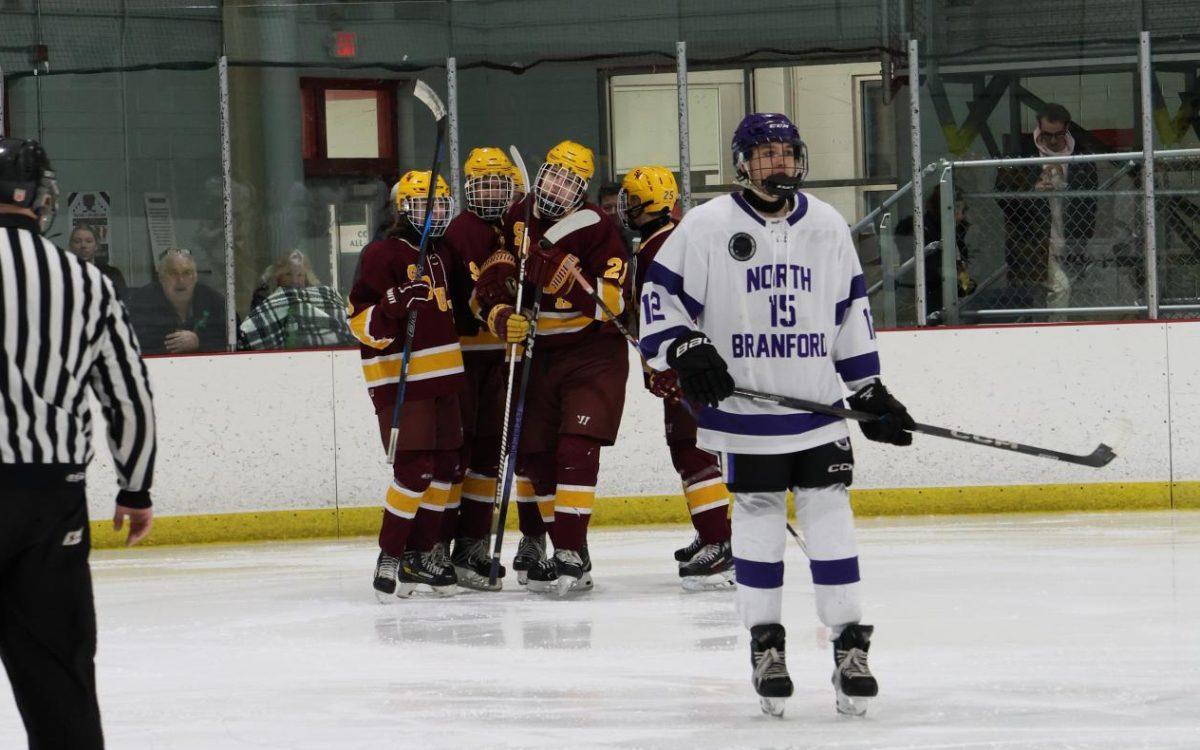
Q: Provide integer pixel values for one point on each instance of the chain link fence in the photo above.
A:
(1050, 240)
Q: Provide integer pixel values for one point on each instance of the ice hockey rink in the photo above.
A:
(1048, 631)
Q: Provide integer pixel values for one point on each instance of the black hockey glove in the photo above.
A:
(894, 423)
(703, 375)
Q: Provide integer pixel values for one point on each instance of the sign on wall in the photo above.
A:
(160, 223)
(91, 210)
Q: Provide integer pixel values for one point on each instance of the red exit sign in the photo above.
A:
(345, 44)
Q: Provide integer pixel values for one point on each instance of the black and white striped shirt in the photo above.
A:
(63, 331)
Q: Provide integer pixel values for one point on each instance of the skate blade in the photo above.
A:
(569, 585)
(849, 705)
(714, 582)
(523, 577)
(772, 706)
(541, 587)
(385, 597)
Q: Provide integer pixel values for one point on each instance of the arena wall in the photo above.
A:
(284, 445)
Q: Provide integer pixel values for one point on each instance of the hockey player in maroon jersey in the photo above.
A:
(579, 363)
(469, 240)
(388, 289)
(648, 194)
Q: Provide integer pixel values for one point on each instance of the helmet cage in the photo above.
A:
(743, 158)
(629, 207)
(413, 210)
(558, 190)
(489, 195)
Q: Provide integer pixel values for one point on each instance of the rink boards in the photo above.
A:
(284, 445)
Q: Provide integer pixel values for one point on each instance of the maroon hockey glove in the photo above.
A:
(703, 375)
(665, 385)
(497, 282)
(401, 298)
(894, 422)
(550, 268)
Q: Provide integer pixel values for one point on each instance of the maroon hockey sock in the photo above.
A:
(451, 523)
(713, 525)
(578, 465)
(394, 533)
(569, 530)
(426, 530)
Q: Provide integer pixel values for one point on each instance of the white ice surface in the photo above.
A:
(1079, 631)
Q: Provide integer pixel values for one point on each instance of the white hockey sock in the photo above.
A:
(759, 539)
(827, 522)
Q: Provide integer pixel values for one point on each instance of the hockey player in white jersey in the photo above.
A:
(763, 288)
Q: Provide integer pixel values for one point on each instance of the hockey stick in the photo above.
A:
(633, 340)
(427, 95)
(500, 499)
(571, 223)
(1101, 456)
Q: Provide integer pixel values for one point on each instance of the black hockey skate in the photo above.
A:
(387, 568)
(710, 569)
(770, 676)
(427, 569)
(567, 572)
(683, 554)
(853, 682)
(530, 550)
(574, 570)
(473, 564)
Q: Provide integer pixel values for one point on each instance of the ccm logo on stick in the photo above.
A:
(983, 440)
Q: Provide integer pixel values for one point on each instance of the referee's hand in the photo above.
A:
(140, 520)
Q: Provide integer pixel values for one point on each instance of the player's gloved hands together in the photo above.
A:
(894, 423)
(703, 375)
(508, 325)
(550, 268)
(665, 385)
(401, 298)
(497, 282)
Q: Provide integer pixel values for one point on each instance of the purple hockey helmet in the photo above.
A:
(769, 127)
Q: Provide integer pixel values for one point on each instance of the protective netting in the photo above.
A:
(1044, 240)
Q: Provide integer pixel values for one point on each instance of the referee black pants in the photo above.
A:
(47, 615)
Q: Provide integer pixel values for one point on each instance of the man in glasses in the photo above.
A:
(1046, 238)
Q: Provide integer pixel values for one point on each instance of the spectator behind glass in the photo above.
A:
(298, 312)
(1046, 239)
(84, 243)
(174, 314)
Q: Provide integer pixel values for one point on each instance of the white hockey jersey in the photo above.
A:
(784, 302)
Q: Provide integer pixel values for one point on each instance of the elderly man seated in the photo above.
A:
(174, 314)
(293, 310)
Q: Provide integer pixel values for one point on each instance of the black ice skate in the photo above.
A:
(473, 564)
(770, 676)
(711, 568)
(387, 568)
(425, 568)
(683, 554)
(852, 678)
(542, 575)
(574, 570)
(530, 550)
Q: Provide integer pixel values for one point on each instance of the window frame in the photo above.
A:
(314, 141)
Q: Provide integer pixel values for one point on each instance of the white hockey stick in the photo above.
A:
(571, 223)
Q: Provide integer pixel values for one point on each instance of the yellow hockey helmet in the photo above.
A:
(412, 191)
(648, 189)
(489, 182)
(561, 182)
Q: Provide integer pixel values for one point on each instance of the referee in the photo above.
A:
(62, 332)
